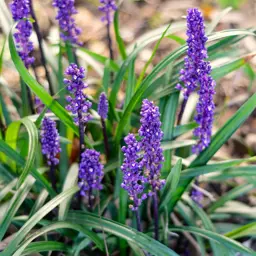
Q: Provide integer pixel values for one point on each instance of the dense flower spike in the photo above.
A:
(151, 134)
(90, 172)
(50, 141)
(196, 73)
(20, 11)
(78, 104)
(108, 6)
(133, 178)
(205, 113)
(103, 106)
(196, 53)
(69, 30)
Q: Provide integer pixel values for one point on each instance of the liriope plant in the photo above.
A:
(86, 174)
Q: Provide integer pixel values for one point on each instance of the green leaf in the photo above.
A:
(242, 171)
(102, 59)
(106, 77)
(168, 120)
(181, 129)
(45, 246)
(71, 180)
(119, 40)
(216, 21)
(143, 72)
(7, 188)
(131, 235)
(246, 230)
(220, 166)
(39, 202)
(222, 240)
(217, 141)
(55, 107)
(171, 184)
(32, 145)
(15, 204)
(55, 226)
(12, 154)
(2, 56)
(26, 228)
(227, 68)
(206, 223)
(233, 193)
(177, 39)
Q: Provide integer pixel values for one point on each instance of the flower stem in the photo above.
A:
(52, 177)
(138, 220)
(156, 220)
(183, 105)
(81, 133)
(111, 52)
(105, 136)
(90, 199)
(39, 38)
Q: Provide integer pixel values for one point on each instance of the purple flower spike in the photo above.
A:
(69, 30)
(50, 141)
(78, 104)
(133, 178)
(196, 74)
(108, 6)
(205, 113)
(103, 106)
(20, 11)
(151, 134)
(196, 53)
(90, 172)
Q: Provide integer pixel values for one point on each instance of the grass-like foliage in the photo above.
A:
(96, 174)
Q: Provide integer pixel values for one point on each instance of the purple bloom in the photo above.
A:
(69, 30)
(103, 106)
(151, 134)
(196, 73)
(50, 141)
(197, 196)
(108, 6)
(133, 178)
(20, 11)
(78, 104)
(90, 172)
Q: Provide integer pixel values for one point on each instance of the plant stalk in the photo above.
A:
(105, 137)
(156, 217)
(39, 38)
(138, 220)
(52, 177)
(183, 105)
(111, 52)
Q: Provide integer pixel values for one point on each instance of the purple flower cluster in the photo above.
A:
(69, 30)
(196, 73)
(90, 172)
(78, 104)
(108, 6)
(133, 178)
(140, 172)
(151, 134)
(20, 11)
(50, 141)
(103, 106)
